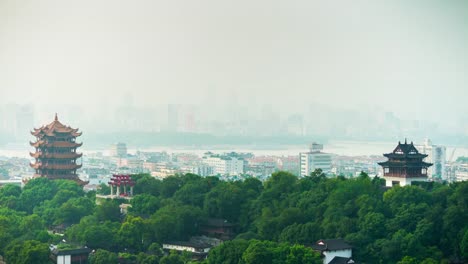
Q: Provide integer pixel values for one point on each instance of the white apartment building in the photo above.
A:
(130, 162)
(315, 159)
(203, 170)
(224, 164)
(435, 155)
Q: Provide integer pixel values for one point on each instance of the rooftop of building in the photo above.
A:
(407, 152)
(66, 249)
(55, 127)
(405, 149)
(331, 245)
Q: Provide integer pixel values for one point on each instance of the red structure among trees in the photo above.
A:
(55, 155)
(119, 182)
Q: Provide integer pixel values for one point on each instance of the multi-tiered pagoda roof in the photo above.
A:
(404, 165)
(406, 156)
(55, 151)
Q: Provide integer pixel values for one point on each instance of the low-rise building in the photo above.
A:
(224, 164)
(199, 168)
(69, 256)
(131, 162)
(315, 159)
(198, 250)
(333, 248)
(218, 228)
(289, 164)
(461, 173)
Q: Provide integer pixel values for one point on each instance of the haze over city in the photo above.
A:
(235, 61)
(248, 131)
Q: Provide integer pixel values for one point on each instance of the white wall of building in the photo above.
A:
(178, 248)
(184, 248)
(402, 181)
(329, 255)
(310, 161)
(64, 259)
(462, 173)
(225, 165)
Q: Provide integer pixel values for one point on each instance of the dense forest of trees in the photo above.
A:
(275, 220)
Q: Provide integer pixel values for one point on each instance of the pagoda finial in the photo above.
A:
(56, 118)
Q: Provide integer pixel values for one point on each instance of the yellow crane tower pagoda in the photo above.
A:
(55, 155)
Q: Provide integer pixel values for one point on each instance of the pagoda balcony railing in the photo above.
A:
(70, 155)
(40, 165)
(62, 176)
(56, 144)
(405, 175)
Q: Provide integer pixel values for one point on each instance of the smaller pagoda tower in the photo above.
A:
(404, 165)
(55, 152)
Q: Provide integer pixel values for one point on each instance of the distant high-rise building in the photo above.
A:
(118, 150)
(295, 125)
(172, 118)
(315, 159)
(435, 155)
(189, 120)
(404, 166)
(55, 153)
(24, 121)
(16, 120)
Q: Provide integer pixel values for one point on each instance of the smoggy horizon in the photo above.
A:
(310, 67)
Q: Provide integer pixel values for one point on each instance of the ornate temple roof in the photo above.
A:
(405, 150)
(405, 155)
(55, 127)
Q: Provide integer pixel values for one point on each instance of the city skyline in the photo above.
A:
(312, 123)
(404, 58)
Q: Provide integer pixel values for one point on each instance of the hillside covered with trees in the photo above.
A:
(275, 221)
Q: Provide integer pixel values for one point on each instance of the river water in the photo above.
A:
(346, 148)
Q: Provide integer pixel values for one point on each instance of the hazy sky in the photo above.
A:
(407, 56)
